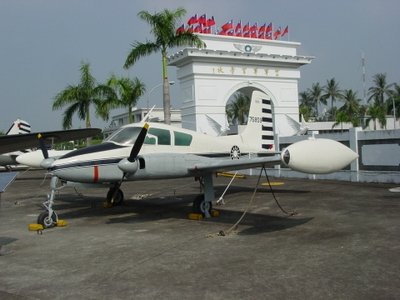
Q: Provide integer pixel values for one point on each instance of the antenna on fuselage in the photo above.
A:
(146, 118)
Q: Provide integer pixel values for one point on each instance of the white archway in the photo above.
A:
(208, 77)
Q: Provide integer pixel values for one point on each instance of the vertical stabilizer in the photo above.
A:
(19, 127)
(259, 131)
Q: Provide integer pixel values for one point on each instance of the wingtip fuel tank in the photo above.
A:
(318, 156)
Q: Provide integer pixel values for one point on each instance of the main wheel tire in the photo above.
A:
(46, 221)
(200, 206)
(115, 198)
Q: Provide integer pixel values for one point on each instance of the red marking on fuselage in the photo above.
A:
(95, 173)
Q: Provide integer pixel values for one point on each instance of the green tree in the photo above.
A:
(394, 100)
(341, 117)
(315, 94)
(237, 111)
(79, 98)
(163, 27)
(351, 107)
(380, 90)
(376, 113)
(126, 93)
(306, 107)
(331, 90)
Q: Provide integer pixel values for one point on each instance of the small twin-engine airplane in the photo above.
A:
(17, 127)
(19, 139)
(143, 151)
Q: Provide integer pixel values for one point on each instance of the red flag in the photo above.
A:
(211, 22)
(262, 30)
(238, 29)
(198, 29)
(253, 31)
(227, 26)
(269, 28)
(285, 31)
(181, 29)
(192, 20)
(277, 33)
(230, 32)
(202, 20)
(246, 27)
(206, 30)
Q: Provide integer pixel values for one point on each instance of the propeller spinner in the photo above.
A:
(130, 165)
(46, 162)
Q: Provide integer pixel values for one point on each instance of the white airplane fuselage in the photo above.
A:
(99, 164)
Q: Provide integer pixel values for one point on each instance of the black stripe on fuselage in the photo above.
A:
(266, 110)
(267, 128)
(269, 120)
(89, 163)
(93, 149)
(111, 161)
(265, 101)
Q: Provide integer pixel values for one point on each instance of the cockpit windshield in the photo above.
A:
(125, 136)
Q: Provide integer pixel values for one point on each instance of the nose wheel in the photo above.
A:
(46, 220)
(115, 196)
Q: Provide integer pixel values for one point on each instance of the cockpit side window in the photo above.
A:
(182, 139)
(127, 135)
(163, 136)
(150, 139)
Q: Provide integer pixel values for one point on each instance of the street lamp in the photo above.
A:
(152, 89)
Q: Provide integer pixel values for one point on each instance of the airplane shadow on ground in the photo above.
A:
(170, 207)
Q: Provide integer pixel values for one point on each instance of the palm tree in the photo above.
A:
(351, 107)
(341, 117)
(306, 107)
(376, 113)
(127, 93)
(332, 91)
(315, 94)
(238, 110)
(163, 27)
(394, 100)
(80, 97)
(380, 89)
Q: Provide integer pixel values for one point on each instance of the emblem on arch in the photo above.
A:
(246, 48)
(235, 152)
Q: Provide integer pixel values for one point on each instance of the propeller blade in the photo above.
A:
(42, 146)
(138, 143)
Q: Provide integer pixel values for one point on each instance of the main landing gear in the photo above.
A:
(201, 206)
(114, 196)
(203, 203)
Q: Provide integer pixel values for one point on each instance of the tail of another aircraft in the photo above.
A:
(19, 127)
(259, 131)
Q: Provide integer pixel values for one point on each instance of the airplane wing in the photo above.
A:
(10, 143)
(214, 165)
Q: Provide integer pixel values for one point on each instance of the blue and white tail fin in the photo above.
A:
(259, 131)
(19, 127)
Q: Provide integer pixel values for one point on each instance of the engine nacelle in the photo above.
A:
(318, 156)
(128, 167)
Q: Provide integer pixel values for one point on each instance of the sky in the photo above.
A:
(43, 42)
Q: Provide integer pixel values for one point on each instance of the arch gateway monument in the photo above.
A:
(209, 77)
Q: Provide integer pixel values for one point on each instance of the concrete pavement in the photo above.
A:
(343, 243)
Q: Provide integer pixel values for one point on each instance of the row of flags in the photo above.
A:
(206, 25)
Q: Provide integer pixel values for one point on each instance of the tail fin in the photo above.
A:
(259, 131)
(19, 127)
